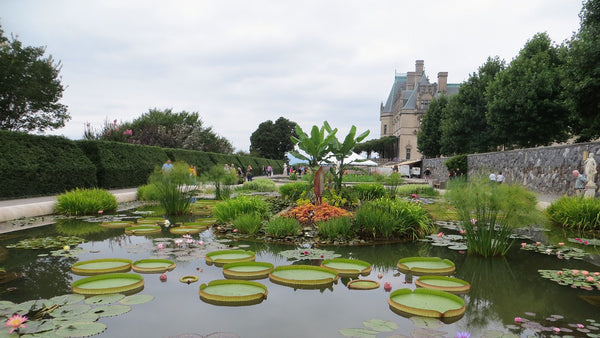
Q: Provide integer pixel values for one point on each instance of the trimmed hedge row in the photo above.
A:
(33, 165)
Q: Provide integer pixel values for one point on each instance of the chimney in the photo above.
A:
(442, 83)
(419, 68)
(411, 80)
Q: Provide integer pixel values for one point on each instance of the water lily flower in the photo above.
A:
(462, 232)
(548, 251)
(306, 252)
(523, 245)
(100, 212)
(585, 242)
(559, 272)
(387, 286)
(577, 240)
(538, 243)
(561, 244)
(187, 236)
(66, 248)
(584, 272)
(163, 277)
(235, 230)
(473, 221)
(322, 256)
(178, 241)
(575, 272)
(555, 329)
(200, 242)
(580, 326)
(380, 275)
(160, 246)
(15, 322)
(589, 279)
(518, 319)
(463, 335)
(189, 241)
(596, 273)
(440, 234)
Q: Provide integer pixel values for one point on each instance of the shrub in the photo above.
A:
(85, 202)
(293, 191)
(283, 226)
(416, 189)
(148, 192)
(339, 227)
(369, 191)
(392, 182)
(232, 208)
(249, 224)
(575, 213)
(259, 184)
(345, 198)
(363, 178)
(308, 213)
(488, 212)
(387, 218)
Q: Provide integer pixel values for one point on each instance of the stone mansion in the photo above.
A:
(406, 105)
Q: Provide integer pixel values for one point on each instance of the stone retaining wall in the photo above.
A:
(545, 170)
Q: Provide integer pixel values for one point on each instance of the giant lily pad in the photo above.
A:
(109, 283)
(151, 220)
(143, 230)
(426, 303)
(136, 299)
(98, 266)
(117, 224)
(153, 265)
(247, 270)
(303, 276)
(363, 284)
(348, 267)
(185, 230)
(426, 265)
(81, 329)
(222, 257)
(233, 292)
(443, 283)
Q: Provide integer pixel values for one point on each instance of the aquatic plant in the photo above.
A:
(249, 224)
(230, 209)
(15, 322)
(283, 226)
(85, 202)
(575, 212)
(337, 227)
(175, 188)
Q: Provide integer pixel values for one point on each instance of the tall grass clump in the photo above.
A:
(283, 226)
(148, 193)
(575, 212)
(248, 224)
(408, 190)
(392, 219)
(85, 202)
(230, 209)
(334, 228)
(392, 183)
(369, 191)
(291, 192)
(259, 184)
(489, 212)
(221, 179)
(175, 188)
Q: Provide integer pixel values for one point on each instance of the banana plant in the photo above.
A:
(316, 146)
(340, 151)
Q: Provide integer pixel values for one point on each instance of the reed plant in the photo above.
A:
(489, 212)
(175, 188)
(283, 226)
(259, 185)
(148, 193)
(291, 192)
(230, 209)
(85, 202)
(408, 190)
(390, 219)
(575, 212)
(334, 228)
(248, 224)
(392, 183)
(369, 191)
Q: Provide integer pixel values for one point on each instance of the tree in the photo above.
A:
(428, 138)
(525, 101)
(316, 146)
(272, 140)
(30, 88)
(464, 127)
(385, 147)
(583, 74)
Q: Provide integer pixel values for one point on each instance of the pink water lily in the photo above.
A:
(561, 244)
(580, 326)
(518, 319)
(596, 273)
(555, 329)
(235, 230)
(589, 279)
(548, 251)
(585, 242)
(473, 221)
(440, 234)
(584, 272)
(462, 232)
(160, 246)
(100, 212)
(523, 245)
(463, 335)
(575, 272)
(200, 242)
(15, 322)
(538, 243)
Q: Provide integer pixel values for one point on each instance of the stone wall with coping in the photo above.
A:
(545, 170)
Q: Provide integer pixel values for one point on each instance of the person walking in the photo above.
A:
(249, 173)
(167, 166)
(580, 181)
(427, 173)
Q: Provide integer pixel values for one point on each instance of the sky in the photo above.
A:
(241, 63)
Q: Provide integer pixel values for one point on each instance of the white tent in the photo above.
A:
(352, 160)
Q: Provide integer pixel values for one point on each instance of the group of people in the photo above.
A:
(496, 178)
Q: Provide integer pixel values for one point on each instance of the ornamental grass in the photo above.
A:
(259, 185)
(242, 205)
(489, 212)
(334, 228)
(408, 190)
(283, 226)
(293, 191)
(575, 213)
(85, 202)
(248, 224)
(369, 191)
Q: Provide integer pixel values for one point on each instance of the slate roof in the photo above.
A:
(399, 85)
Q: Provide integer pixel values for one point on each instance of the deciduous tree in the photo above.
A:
(272, 140)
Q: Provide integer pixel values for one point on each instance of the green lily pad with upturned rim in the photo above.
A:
(151, 220)
(426, 303)
(247, 270)
(117, 224)
(303, 276)
(185, 230)
(143, 230)
(443, 283)
(103, 265)
(153, 265)
(233, 292)
(348, 267)
(109, 283)
(426, 266)
(363, 284)
(222, 257)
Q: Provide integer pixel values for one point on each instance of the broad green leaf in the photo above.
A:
(81, 329)
(380, 325)
(362, 333)
(104, 299)
(136, 299)
(110, 310)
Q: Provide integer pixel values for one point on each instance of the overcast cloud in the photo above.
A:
(240, 63)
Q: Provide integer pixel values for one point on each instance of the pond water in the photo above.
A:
(501, 289)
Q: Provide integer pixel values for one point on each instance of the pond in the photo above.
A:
(501, 289)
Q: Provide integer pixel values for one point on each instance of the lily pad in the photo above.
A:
(299, 254)
(117, 224)
(66, 299)
(363, 284)
(443, 283)
(47, 242)
(303, 276)
(233, 292)
(222, 257)
(103, 265)
(81, 329)
(381, 325)
(247, 270)
(361, 333)
(426, 265)
(186, 230)
(111, 310)
(426, 303)
(143, 230)
(153, 265)
(348, 267)
(104, 299)
(71, 310)
(109, 283)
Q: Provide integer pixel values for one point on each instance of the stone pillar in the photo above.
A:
(590, 190)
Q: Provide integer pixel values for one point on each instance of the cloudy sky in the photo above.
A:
(240, 63)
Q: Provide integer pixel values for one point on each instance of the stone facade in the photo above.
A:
(545, 170)
(407, 102)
